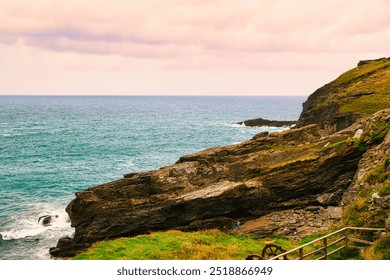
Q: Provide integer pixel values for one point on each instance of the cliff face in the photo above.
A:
(290, 183)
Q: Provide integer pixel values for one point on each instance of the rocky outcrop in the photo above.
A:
(364, 62)
(291, 183)
(293, 169)
(373, 157)
(264, 122)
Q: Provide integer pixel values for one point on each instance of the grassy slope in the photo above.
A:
(200, 245)
(349, 88)
(358, 213)
(177, 245)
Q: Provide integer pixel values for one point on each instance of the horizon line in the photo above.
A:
(153, 95)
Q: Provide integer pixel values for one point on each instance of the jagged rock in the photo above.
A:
(315, 209)
(335, 213)
(371, 159)
(260, 135)
(364, 62)
(46, 220)
(329, 199)
(385, 203)
(375, 198)
(358, 134)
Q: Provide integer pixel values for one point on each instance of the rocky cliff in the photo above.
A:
(292, 183)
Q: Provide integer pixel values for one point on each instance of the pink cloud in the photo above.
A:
(193, 35)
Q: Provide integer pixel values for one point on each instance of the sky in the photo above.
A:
(186, 47)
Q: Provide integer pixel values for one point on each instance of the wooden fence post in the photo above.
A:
(325, 249)
(301, 253)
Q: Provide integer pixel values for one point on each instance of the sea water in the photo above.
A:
(54, 146)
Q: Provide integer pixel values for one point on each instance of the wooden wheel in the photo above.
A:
(254, 257)
(272, 250)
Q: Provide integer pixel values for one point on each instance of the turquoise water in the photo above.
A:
(51, 147)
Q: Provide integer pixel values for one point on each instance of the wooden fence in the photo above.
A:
(331, 244)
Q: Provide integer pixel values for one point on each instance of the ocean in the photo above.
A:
(54, 146)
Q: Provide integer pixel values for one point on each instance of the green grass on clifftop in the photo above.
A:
(177, 245)
(364, 89)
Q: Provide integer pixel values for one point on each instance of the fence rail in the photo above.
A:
(328, 245)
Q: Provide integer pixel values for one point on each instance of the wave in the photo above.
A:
(9, 134)
(237, 125)
(33, 225)
(128, 164)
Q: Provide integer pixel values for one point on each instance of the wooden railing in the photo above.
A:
(331, 244)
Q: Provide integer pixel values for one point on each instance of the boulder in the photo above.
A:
(46, 220)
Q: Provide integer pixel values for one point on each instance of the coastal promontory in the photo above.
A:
(290, 183)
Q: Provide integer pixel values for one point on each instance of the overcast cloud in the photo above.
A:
(247, 47)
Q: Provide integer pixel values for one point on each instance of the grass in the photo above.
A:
(369, 104)
(177, 245)
(217, 245)
(379, 251)
(359, 213)
(362, 90)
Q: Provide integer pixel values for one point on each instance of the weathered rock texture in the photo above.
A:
(290, 183)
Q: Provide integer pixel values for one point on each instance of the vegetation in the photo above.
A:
(357, 213)
(177, 245)
(379, 251)
(360, 214)
(364, 89)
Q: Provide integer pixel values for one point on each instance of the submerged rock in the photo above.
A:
(46, 220)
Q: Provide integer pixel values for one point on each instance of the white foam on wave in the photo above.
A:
(236, 125)
(27, 225)
(126, 165)
(9, 134)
